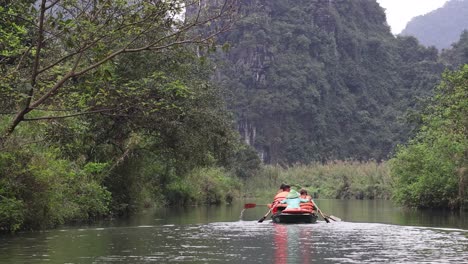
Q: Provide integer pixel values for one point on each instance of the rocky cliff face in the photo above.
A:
(319, 80)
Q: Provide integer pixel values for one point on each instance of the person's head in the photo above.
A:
(292, 194)
(303, 192)
(286, 188)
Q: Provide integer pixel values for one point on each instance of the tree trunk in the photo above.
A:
(462, 186)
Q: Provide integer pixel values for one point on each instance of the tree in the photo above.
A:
(137, 64)
(52, 46)
(457, 56)
(431, 171)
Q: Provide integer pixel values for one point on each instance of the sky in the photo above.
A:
(400, 12)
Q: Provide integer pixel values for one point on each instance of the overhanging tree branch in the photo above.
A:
(70, 115)
(113, 30)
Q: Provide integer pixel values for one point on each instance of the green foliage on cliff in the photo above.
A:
(457, 56)
(323, 80)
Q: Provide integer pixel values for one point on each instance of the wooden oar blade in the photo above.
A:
(249, 205)
(324, 216)
(265, 216)
(334, 218)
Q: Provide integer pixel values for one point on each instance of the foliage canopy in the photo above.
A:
(323, 80)
(431, 171)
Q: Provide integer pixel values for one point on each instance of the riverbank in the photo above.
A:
(335, 180)
(211, 185)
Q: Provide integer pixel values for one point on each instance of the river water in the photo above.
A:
(371, 232)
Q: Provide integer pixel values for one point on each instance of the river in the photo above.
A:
(371, 232)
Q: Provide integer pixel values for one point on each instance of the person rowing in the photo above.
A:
(280, 196)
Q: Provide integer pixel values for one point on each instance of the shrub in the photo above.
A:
(339, 179)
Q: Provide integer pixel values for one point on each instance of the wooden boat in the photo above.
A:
(294, 216)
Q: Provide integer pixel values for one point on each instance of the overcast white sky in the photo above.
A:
(400, 12)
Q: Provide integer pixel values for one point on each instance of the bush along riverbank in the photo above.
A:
(42, 190)
(335, 180)
(42, 185)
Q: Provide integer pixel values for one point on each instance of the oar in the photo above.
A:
(334, 218)
(252, 205)
(269, 211)
(323, 216)
(265, 216)
(320, 212)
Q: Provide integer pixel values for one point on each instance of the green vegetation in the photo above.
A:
(106, 108)
(39, 189)
(457, 56)
(431, 170)
(111, 106)
(207, 186)
(323, 80)
(336, 180)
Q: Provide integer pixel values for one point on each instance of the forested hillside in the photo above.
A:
(441, 27)
(106, 108)
(458, 54)
(430, 170)
(322, 80)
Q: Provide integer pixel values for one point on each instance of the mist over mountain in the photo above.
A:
(441, 27)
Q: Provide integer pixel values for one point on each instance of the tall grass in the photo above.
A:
(204, 186)
(338, 179)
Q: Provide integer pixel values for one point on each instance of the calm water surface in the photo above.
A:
(371, 232)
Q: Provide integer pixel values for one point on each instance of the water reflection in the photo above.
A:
(281, 244)
(292, 243)
(215, 235)
(381, 211)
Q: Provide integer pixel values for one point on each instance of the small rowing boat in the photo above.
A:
(294, 216)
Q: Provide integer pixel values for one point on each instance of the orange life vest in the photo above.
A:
(278, 198)
(309, 206)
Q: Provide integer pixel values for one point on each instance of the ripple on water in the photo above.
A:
(337, 242)
(252, 242)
